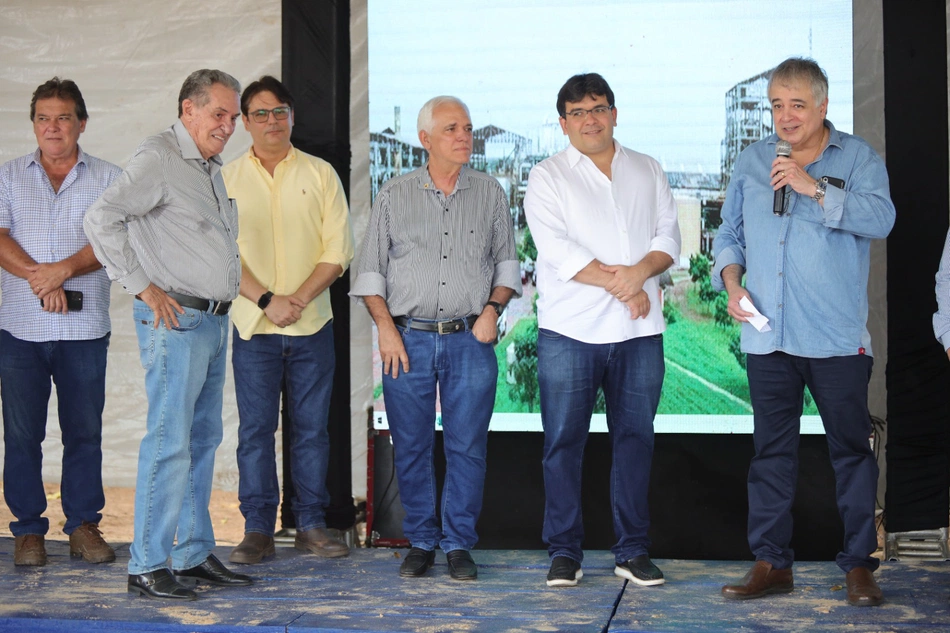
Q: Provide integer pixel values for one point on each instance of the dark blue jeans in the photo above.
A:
(569, 374)
(260, 366)
(466, 373)
(840, 387)
(78, 368)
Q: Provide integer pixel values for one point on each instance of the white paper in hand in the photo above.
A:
(758, 321)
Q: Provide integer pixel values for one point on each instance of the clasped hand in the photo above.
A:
(627, 287)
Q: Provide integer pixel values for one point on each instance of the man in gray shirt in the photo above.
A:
(437, 267)
(166, 230)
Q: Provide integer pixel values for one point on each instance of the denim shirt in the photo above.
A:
(941, 318)
(807, 270)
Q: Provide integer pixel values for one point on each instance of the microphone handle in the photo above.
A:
(778, 204)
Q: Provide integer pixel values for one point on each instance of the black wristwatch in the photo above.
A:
(498, 307)
(264, 301)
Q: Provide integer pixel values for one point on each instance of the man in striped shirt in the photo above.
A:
(437, 266)
(54, 324)
(167, 231)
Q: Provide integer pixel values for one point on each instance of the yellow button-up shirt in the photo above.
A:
(288, 223)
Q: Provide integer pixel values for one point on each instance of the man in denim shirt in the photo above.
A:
(806, 267)
(941, 319)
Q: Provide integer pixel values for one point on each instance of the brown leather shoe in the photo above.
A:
(86, 542)
(761, 580)
(29, 550)
(320, 542)
(253, 549)
(862, 589)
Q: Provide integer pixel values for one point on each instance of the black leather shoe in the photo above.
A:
(417, 563)
(211, 571)
(461, 565)
(159, 585)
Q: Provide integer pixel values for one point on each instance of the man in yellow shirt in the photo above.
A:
(295, 239)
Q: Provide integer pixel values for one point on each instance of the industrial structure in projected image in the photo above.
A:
(712, 383)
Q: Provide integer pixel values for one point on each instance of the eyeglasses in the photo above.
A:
(261, 116)
(580, 113)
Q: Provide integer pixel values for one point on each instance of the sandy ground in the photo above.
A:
(116, 522)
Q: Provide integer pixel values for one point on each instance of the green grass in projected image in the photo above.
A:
(703, 374)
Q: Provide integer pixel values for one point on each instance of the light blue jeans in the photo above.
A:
(184, 381)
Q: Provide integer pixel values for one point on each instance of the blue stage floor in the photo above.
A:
(303, 594)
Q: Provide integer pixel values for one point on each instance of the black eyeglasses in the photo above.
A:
(261, 116)
(580, 113)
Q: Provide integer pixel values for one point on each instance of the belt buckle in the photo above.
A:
(215, 306)
(448, 327)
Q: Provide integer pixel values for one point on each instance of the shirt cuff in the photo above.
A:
(574, 263)
(833, 208)
(366, 285)
(135, 282)
(508, 274)
(667, 245)
(336, 258)
(729, 256)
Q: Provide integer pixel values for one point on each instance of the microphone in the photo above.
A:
(782, 148)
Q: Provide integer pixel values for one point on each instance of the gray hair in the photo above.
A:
(425, 122)
(796, 69)
(198, 83)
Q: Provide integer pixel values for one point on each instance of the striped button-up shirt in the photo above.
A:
(167, 220)
(47, 225)
(432, 256)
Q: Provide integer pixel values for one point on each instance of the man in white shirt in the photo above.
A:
(605, 224)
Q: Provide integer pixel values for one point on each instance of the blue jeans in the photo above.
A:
(466, 373)
(260, 367)
(79, 370)
(569, 374)
(184, 381)
(840, 387)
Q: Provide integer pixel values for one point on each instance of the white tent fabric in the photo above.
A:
(129, 59)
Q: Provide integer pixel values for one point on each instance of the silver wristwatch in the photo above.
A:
(820, 186)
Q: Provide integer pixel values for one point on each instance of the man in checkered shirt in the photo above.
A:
(54, 324)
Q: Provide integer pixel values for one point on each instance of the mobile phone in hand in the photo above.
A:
(73, 300)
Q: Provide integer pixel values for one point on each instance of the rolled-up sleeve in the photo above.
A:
(548, 227)
(507, 272)
(941, 318)
(864, 207)
(373, 263)
(729, 245)
(666, 238)
(337, 233)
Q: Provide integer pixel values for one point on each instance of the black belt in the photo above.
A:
(442, 327)
(216, 308)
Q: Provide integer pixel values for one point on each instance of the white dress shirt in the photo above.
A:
(576, 214)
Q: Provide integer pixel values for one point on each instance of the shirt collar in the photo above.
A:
(37, 156)
(291, 155)
(426, 182)
(186, 144)
(574, 155)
